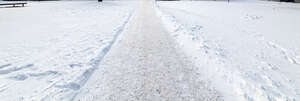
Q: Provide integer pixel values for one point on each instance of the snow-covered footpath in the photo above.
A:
(249, 50)
(48, 50)
(244, 51)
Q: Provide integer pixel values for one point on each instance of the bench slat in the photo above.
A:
(13, 4)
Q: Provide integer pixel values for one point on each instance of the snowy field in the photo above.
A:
(48, 50)
(211, 50)
(249, 50)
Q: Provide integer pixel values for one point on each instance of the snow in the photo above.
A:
(249, 50)
(145, 64)
(245, 50)
(49, 49)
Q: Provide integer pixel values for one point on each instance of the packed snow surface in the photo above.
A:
(150, 51)
(48, 50)
(249, 50)
(146, 64)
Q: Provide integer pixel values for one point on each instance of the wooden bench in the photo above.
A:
(13, 4)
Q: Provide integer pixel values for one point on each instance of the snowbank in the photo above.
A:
(249, 50)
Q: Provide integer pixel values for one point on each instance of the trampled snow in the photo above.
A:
(49, 49)
(249, 50)
(210, 50)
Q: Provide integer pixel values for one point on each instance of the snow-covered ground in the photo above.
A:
(249, 50)
(48, 50)
(146, 64)
(183, 50)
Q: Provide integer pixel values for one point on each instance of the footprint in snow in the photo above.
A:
(20, 77)
(14, 69)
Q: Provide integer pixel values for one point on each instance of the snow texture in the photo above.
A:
(48, 50)
(149, 67)
(250, 50)
(144, 51)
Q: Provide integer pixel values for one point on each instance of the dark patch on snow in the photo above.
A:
(196, 28)
(43, 73)
(75, 65)
(10, 70)
(3, 66)
(73, 86)
(20, 77)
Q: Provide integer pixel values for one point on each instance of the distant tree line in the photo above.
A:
(287, 0)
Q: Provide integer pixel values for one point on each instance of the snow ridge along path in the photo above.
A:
(145, 64)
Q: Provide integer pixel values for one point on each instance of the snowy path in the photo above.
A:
(138, 51)
(146, 64)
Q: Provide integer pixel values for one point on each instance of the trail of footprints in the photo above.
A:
(12, 72)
